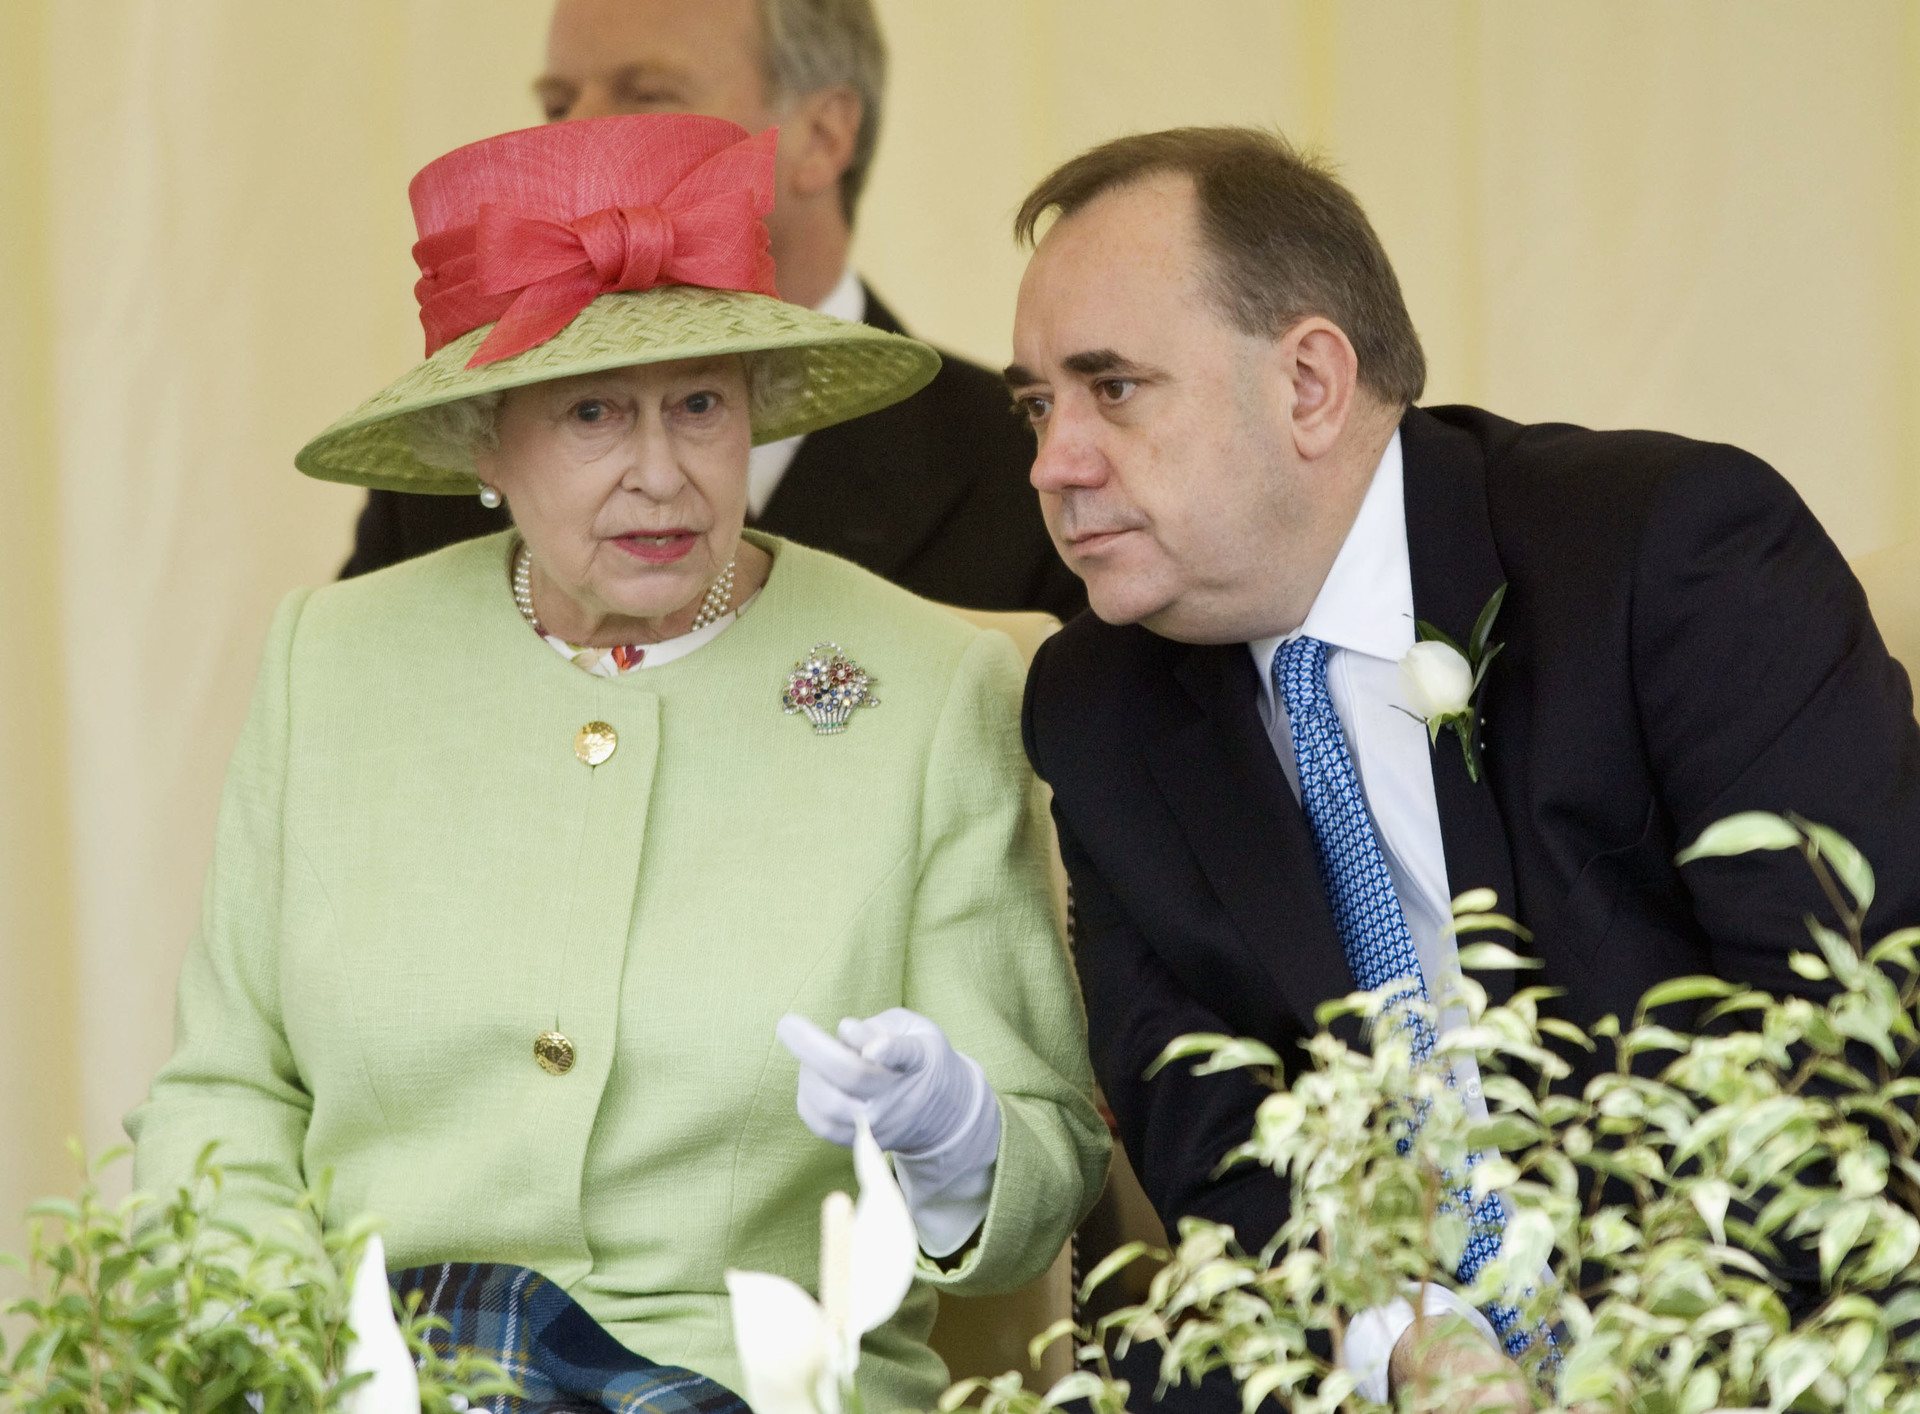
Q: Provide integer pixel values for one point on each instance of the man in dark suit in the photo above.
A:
(1214, 351)
(932, 492)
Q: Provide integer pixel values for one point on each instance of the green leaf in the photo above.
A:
(1494, 957)
(1467, 753)
(1462, 924)
(1847, 862)
(1429, 633)
(1898, 946)
(1198, 1043)
(1475, 901)
(1589, 1371)
(1686, 989)
(1238, 1054)
(1483, 626)
(1284, 1375)
(1792, 1365)
(1653, 1038)
(1080, 1384)
(1564, 1031)
(1851, 1345)
(1838, 1237)
(1741, 834)
(1810, 967)
(1505, 1133)
(1710, 1198)
(1125, 1255)
(1894, 1247)
(1038, 1346)
(1480, 668)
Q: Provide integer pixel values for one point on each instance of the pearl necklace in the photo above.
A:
(713, 608)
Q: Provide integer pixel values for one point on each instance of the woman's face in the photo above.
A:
(630, 487)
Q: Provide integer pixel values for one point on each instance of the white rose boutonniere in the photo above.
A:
(1442, 680)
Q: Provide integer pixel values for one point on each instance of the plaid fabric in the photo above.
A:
(562, 1358)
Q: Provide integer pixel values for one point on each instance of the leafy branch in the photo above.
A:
(1670, 1197)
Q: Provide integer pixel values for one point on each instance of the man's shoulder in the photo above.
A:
(1091, 650)
(1567, 464)
(1092, 680)
(1557, 493)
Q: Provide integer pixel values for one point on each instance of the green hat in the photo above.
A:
(598, 244)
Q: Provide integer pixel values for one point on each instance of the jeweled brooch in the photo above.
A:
(827, 685)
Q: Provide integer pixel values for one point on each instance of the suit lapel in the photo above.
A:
(1219, 775)
(873, 490)
(1456, 568)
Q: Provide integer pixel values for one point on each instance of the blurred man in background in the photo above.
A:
(932, 492)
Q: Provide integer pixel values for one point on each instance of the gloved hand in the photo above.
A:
(927, 1104)
(897, 1068)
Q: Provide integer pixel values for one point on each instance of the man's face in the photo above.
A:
(1165, 465)
(656, 56)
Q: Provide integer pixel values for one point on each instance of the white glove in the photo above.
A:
(927, 1104)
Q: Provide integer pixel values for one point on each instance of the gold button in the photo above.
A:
(554, 1052)
(595, 742)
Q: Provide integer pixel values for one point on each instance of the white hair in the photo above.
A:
(447, 435)
(815, 44)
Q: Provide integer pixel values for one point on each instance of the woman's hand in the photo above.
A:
(927, 1104)
(917, 1092)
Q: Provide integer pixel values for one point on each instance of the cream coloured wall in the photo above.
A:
(1691, 215)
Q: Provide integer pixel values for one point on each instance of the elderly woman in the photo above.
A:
(529, 847)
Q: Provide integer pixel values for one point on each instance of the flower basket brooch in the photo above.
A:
(827, 685)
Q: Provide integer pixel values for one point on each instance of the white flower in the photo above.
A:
(378, 1348)
(1438, 681)
(798, 1355)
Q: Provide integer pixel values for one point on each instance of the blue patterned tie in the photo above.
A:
(1366, 911)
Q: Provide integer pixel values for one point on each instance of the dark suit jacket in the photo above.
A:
(1682, 641)
(930, 493)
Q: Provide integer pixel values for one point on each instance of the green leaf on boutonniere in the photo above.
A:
(1433, 633)
(1482, 662)
(1477, 645)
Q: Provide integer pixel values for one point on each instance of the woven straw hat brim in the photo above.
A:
(838, 371)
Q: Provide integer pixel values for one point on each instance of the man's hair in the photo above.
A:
(1284, 238)
(816, 44)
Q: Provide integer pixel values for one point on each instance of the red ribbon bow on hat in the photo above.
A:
(532, 274)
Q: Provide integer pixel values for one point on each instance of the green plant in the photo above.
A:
(150, 1305)
(1662, 1196)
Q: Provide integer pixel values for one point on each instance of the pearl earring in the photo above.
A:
(489, 497)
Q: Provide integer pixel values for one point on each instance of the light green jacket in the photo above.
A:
(415, 876)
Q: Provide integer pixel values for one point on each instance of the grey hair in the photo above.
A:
(815, 44)
(447, 435)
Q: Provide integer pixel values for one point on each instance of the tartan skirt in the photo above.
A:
(563, 1360)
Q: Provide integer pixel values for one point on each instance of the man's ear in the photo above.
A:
(1319, 360)
(818, 135)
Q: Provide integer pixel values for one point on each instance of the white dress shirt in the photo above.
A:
(1364, 614)
(769, 461)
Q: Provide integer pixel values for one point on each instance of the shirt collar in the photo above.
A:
(846, 300)
(1365, 604)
